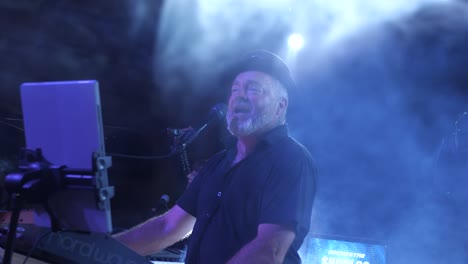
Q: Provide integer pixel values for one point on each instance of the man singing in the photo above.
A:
(252, 202)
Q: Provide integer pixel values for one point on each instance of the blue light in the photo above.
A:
(295, 41)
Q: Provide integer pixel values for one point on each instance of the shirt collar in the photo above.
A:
(269, 138)
(274, 135)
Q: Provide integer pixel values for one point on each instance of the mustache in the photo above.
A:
(241, 104)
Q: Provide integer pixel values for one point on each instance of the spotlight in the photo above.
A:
(295, 41)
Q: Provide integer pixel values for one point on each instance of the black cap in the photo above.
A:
(266, 62)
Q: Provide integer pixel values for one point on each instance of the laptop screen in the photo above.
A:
(64, 120)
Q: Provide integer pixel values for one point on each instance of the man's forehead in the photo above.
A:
(256, 76)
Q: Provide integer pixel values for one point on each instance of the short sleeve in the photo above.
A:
(289, 193)
(188, 200)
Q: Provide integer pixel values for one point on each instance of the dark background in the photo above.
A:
(376, 103)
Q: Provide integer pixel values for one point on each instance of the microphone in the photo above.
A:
(216, 114)
(164, 200)
(162, 205)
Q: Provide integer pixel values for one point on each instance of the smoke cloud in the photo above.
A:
(380, 85)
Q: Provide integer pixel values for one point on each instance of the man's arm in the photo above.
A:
(270, 246)
(158, 232)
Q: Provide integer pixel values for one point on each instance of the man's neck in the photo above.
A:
(245, 145)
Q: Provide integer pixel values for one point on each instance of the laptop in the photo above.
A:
(64, 120)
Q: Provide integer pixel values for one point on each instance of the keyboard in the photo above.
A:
(71, 247)
(165, 262)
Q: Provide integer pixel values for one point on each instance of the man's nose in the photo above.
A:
(241, 98)
(241, 93)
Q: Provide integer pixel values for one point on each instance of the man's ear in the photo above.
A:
(282, 105)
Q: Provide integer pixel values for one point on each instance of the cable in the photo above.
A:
(11, 125)
(35, 245)
(119, 155)
(175, 151)
(140, 157)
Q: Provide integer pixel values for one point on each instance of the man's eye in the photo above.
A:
(254, 89)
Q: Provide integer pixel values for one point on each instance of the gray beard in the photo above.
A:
(249, 126)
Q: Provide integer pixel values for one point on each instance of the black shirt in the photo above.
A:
(274, 184)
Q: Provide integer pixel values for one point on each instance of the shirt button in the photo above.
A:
(219, 194)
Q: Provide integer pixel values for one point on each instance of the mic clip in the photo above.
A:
(174, 131)
(182, 138)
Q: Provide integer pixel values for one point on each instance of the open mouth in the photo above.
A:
(241, 109)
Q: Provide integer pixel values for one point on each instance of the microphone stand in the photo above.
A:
(185, 161)
(180, 149)
(16, 205)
